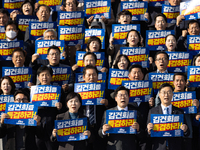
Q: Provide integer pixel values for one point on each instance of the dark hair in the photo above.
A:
(89, 67)
(64, 3)
(120, 88)
(90, 53)
(194, 59)
(191, 22)
(124, 12)
(72, 95)
(44, 6)
(161, 52)
(4, 11)
(27, 1)
(118, 59)
(135, 66)
(10, 82)
(18, 49)
(133, 30)
(93, 38)
(44, 68)
(53, 47)
(11, 22)
(165, 85)
(22, 92)
(160, 15)
(180, 74)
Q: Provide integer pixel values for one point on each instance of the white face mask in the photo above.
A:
(11, 34)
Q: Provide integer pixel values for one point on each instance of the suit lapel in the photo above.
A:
(66, 116)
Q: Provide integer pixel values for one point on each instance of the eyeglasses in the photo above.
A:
(56, 54)
(122, 95)
(164, 93)
(20, 57)
(21, 100)
(70, 4)
(162, 59)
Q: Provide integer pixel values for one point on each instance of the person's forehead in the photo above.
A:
(167, 88)
(161, 56)
(90, 71)
(71, 1)
(43, 8)
(179, 77)
(53, 50)
(3, 14)
(160, 18)
(193, 24)
(49, 32)
(89, 57)
(18, 53)
(122, 92)
(20, 95)
(13, 26)
(136, 69)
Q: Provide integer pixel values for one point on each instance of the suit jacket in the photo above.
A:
(73, 145)
(174, 143)
(11, 132)
(122, 141)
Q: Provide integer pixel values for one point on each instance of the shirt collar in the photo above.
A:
(163, 72)
(126, 108)
(170, 108)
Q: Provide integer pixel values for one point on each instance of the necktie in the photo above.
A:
(91, 114)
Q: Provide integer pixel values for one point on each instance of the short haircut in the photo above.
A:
(11, 22)
(133, 30)
(27, 1)
(72, 95)
(124, 12)
(170, 35)
(10, 82)
(18, 49)
(191, 22)
(22, 92)
(53, 47)
(64, 3)
(161, 52)
(118, 59)
(45, 68)
(90, 53)
(4, 11)
(135, 66)
(165, 85)
(180, 74)
(194, 59)
(50, 30)
(89, 67)
(160, 15)
(93, 38)
(120, 88)
(44, 6)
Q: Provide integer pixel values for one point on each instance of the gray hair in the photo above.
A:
(50, 30)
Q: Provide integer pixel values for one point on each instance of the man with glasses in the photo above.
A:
(19, 137)
(162, 143)
(121, 141)
(53, 59)
(161, 62)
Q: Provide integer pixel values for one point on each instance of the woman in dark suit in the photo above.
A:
(73, 102)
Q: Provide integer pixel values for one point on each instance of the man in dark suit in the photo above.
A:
(121, 141)
(19, 136)
(173, 143)
(161, 62)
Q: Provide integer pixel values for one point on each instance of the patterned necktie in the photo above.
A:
(167, 112)
(91, 114)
